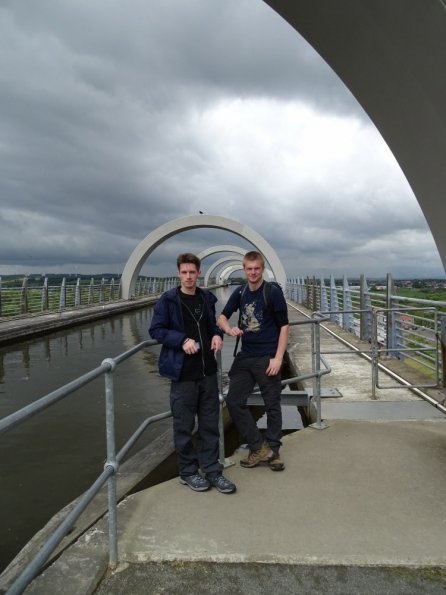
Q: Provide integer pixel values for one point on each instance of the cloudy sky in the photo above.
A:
(116, 117)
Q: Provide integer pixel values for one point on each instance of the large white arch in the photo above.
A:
(162, 233)
(218, 263)
(227, 272)
(229, 262)
(391, 54)
(223, 248)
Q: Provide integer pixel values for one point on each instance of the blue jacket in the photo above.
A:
(167, 327)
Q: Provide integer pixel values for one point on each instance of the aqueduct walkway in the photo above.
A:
(357, 510)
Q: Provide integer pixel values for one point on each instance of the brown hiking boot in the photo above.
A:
(262, 455)
(275, 463)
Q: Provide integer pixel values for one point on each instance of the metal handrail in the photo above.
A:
(111, 465)
(108, 475)
(315, 374)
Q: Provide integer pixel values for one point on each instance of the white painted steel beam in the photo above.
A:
(391, 54)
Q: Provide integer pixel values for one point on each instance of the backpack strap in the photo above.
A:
(241, 294)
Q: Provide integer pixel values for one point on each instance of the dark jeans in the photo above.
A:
(190, 399)
(245, 372)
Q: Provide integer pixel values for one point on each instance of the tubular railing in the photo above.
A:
(113, 460)
(408, 328)
(30, 299)
(107, 369)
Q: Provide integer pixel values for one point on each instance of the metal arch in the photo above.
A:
(391, 55)
(227, 272)
(162, 233)
(225, 260)
(223, 248)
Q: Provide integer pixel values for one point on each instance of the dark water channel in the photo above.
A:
(53, 457)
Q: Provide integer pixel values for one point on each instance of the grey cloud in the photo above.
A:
(100, 116)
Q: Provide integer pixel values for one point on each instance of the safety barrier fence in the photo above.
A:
(113, 460)
(406, 328)
(30, 298)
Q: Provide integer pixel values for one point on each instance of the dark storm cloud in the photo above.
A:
(118, 117)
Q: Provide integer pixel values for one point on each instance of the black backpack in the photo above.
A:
(266, 298)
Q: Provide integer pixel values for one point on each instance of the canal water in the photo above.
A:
(54, 456)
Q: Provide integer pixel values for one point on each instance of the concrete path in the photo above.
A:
(358, 509)
(356, 497)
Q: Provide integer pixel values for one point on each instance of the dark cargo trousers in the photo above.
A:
(191, 399)
(245, 372)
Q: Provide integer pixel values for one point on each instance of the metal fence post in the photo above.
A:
(347, 316)
(77, 293)
(324, 299)
(390, 322)
(365, 306)
(334, 303)
(221, 427)
(111, 462)
(443, 351)
(316, 371)
(44, 304)
(63, 294)
(24, 297)
(374, 352)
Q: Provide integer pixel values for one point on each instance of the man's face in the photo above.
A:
(254, 271)
(188, 275)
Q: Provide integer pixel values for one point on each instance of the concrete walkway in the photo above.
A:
(361, 498)
(358, 509)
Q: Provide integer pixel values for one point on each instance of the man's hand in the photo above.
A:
(216, 343)
(275, 363)
(234, 331)
(189, 347)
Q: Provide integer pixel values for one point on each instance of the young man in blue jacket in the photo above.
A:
(184, 323)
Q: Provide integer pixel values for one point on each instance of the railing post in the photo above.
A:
(221, 426)
(101, 291)
(111, 462)
(63, 294)
(45, 305)
(365, 307)
(443, 351)
(334, 303)
(77, 293)
(347, 316)
(390, 322)
(374, 352)
(316, 371)
(0, 296)
(24, 297)
(323, 298)
(91, 291)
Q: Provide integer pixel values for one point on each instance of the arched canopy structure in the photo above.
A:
(391, 54)
(162, 233)
(226, 260)
(227, 272)
(221, 277)
(223, 248)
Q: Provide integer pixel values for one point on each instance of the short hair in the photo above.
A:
(188, 258)
(253, 255)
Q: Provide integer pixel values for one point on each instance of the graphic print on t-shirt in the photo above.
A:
(251, 316)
